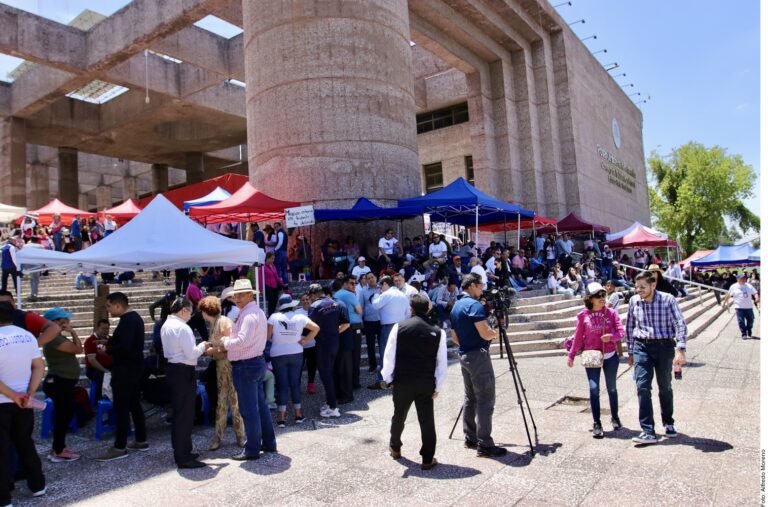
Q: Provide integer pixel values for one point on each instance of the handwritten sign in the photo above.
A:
(299, 216)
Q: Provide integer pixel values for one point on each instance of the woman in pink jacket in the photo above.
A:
(599, 328)
(273, 283)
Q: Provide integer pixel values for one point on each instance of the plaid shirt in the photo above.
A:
(660, 319)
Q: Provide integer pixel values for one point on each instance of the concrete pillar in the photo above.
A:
(330, 106)
(13, 161)
(69, 185)
(103, 197)
(39, 189)
(130, 188)
(159, 178)
(565, 122)
(83, 202)
(195, 168)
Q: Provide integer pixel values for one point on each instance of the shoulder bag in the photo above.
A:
(594, 358)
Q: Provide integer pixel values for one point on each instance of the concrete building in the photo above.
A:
(319, 101)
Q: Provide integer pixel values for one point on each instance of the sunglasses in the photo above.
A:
(599, 295)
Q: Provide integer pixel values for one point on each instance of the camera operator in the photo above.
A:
(471, 332)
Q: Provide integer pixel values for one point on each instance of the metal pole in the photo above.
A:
(18, 292)
(518, 231)
(477, 224)
(505, 230)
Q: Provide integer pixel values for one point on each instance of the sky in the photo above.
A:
(698, 61)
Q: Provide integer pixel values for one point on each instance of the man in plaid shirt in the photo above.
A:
(656, 334)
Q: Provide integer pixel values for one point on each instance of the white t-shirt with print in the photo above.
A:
(438, 250)
(18, 348)
(286, 333)
(388, 245)
(742, 295)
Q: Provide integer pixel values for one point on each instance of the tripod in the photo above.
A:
(500, 313)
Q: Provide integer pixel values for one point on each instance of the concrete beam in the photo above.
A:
(198, 47)
(36, 39)
(231, 13)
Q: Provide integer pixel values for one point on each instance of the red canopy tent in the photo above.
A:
(56, 207)
(573, 223)
(229, 182)
(641, 238)
(524, 224)
(245, 205)
(123, 212)
(685, 263)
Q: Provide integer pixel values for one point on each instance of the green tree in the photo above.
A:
(694, 189)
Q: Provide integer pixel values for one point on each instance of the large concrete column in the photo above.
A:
(103, 197)
(130, 188)
(159, 178)
(330, 107)
(39, 188)
(69, 184)
(195, 168)
(13, 162)
(83, 202)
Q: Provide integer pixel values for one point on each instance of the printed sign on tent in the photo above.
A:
(299, 216)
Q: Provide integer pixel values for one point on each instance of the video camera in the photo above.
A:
(499, 299)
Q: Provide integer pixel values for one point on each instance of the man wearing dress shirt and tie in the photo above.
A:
(182, 354)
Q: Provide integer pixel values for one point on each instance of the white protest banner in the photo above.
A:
(299, 216)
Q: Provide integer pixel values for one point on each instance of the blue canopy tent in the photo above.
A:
(364, 210)
(217, 195)
(755, 256)
(462, 203)
(726, 255)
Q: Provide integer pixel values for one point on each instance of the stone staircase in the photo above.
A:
(538, 322)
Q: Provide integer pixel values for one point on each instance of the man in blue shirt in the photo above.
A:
(74, 233)
(471, 332)
(333, 320)
(347, 367)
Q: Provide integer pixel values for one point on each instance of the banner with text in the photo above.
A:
(299, 216)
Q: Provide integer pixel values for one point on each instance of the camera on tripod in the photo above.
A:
(499, 299)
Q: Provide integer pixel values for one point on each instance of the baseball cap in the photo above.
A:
(57, 313)
(741, 275)
(361, 258)
(593, 288)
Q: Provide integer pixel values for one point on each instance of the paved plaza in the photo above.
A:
(345, 462)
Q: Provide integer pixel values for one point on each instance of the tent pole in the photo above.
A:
(505, 230)
(477, 224)
(518, 231)
(18, 292)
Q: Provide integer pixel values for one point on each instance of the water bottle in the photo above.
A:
(678, 372)
(36, 403)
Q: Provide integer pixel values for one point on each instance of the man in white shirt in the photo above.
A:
(393, 306)
(405, 288)
(741, 292)
(388, 249)
(415, 364)
(476, 267)
(182, 354)
(361, 269)
(438, 251)
(21, 371)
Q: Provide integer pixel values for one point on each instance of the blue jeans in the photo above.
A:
(281, 263)
(746, 318)
(287, 370)
(383, 337)
(654, 356)
(610, 367)
(57, 241)
(248, 377)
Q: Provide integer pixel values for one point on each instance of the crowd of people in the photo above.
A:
(409, 303)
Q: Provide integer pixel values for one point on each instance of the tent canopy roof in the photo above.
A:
(574, 223)
(727, 255)
(229, 182)
(123, 212)
(641, 238)
(696, 255)
(365, 210)
(218, 194)
(160, 237)
(10, 213)
(56, 207)
(621, 234)
(458, 202)
(245, 205)
(511, 225)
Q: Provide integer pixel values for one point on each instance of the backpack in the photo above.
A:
(82, 405)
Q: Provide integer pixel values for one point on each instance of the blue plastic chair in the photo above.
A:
(105, 418)
(46, 424)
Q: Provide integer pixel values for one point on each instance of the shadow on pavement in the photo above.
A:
(268, 464)
(202, 474)
(442, 471)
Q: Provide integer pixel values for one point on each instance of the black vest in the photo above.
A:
(416, 355)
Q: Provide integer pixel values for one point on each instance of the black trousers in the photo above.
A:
(342, 375)
(182, 281)
(98, 377)
(420, 393)
(16, 425)
(126, 391)
(357, 342)
(13, 273)
(181, 383)
(326, 357)
(372, 329)
(197, 323)
(310, 360)
(60, 390)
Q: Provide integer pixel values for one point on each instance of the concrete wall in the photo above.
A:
(595, 101)
(449, 146)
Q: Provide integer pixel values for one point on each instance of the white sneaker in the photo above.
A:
(330, 412)
(39, 493)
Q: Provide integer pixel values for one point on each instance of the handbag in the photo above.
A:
(594, 358)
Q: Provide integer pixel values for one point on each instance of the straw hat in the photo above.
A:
(243, 286)
(226, 293)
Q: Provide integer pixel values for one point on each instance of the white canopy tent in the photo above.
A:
(160, 237)
(621, 234)
(10, 213)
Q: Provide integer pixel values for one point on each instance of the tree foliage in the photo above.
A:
(694, 189)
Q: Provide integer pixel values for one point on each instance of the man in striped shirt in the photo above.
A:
(656, 335)
(245, 350)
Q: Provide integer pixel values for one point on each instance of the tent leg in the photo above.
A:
(505, 231)
(18, 292)
(477, 224)
(518, 231)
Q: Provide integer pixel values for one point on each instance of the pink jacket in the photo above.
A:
(271, 277)
(589, 329)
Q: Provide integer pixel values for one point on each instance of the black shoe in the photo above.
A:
(597, 430)
(491, 452)
(395, 453)
(268, 449)
(244, 457)
(470, 445)
(194, 455)
(193, 463)
(430, 465)
(616, 423)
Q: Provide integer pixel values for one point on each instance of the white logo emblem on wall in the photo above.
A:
(616, 133)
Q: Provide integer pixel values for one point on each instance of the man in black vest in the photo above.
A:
(415, 363)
